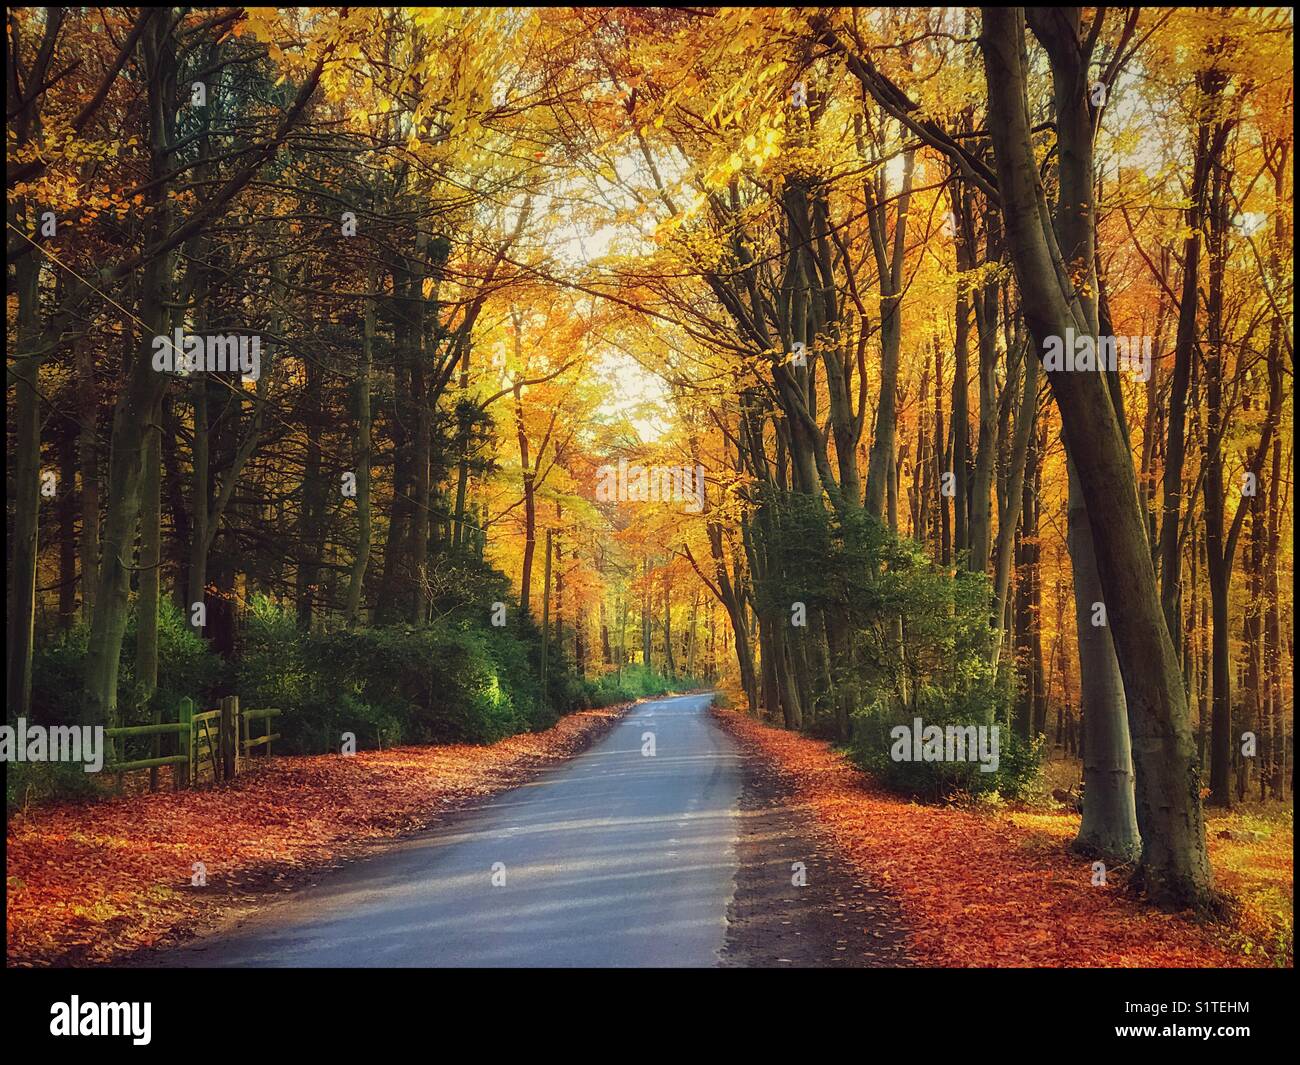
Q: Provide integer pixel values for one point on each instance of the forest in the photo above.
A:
(432, 375)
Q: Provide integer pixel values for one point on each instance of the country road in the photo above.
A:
(615, 858)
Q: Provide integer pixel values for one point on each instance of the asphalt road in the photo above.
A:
(615, 858)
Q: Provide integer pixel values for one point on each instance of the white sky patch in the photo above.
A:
(630, 391)
(1250, 223)
(635, 394)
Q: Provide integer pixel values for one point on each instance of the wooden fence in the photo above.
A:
(210, 744)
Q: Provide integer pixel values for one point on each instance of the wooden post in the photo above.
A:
(236, 750)
(229, 736)
(155, 747)
(185, 742)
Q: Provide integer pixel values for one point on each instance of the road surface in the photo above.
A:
(614, 858)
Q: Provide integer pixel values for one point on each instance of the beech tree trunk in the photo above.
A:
(361, 460)
(26, 471)
(1174, 868)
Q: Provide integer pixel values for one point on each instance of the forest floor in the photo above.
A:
(997, 886)
(797, 904)
(93, 883)
(887, 882)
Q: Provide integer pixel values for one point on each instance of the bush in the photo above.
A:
(905, 638)
(635, 682)
(271, 671)
(874, 745)
(186, 668)
(456, 680)
(37, 782)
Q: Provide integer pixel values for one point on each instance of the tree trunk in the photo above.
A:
(67, 516)
(140, 394)
(146, 647)
(981, 489)
(420, 513)
(1109, 828)
(88, 448)
(311, 517)
(1273, 633)
(1174, 867)
(27, 489)
(530, 503)
(361, 460)
(670, 667)
(200, 504)
(961, 427)
(546, 613)
(880, 465)
(1009, 519)
(645, 614)
(1209, 85)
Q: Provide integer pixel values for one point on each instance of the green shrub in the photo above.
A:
(271, 672)
(456, 680)
(186, 668)
(635, 682)
(37, 782)
(874, 742)
(905, 637)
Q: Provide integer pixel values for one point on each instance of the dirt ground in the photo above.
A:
(833, 921)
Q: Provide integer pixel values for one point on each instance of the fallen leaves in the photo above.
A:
(978, 889)
(90, 883)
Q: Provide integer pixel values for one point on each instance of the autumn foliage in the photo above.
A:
(817, 258)
(979, 889)
(89, 884)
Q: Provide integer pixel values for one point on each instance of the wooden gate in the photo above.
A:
(210, 744)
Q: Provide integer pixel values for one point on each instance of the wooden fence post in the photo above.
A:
(229, 737)
(236, 751)
(155, 745)
(185, 742)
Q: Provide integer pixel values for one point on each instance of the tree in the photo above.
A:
(1174, 867)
